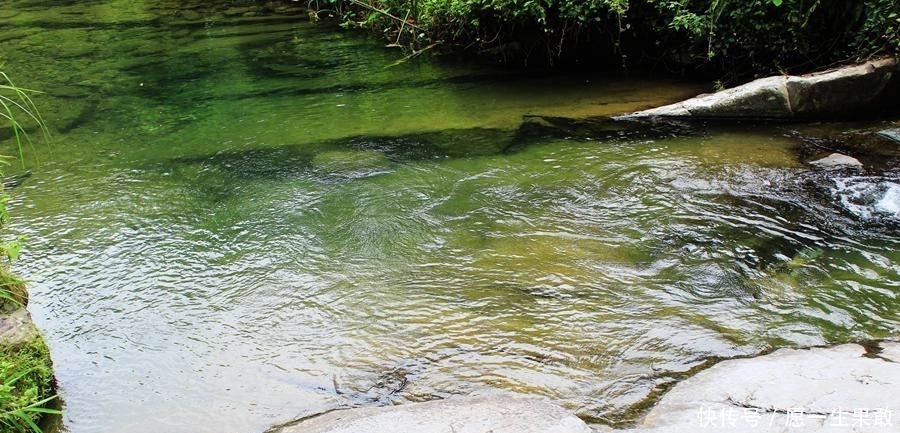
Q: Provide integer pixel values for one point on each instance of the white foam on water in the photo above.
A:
(868, 197)
(890, 202)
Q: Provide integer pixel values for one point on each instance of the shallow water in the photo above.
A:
(246, 218)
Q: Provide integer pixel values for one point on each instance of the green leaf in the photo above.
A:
(776, 2)
(12, 248)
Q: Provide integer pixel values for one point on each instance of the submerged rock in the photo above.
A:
(848, 91)
(837, 160)
(845, 388)
(538, 128)
(351, 163)
(486, 414)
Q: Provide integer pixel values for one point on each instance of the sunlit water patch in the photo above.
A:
(246, 218)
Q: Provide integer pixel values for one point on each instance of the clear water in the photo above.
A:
(246, 217)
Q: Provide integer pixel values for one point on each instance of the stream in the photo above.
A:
(244, 217)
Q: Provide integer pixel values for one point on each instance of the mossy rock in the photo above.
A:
(26, 371)
(26, 375)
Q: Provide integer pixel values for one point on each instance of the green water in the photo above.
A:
(245, 218)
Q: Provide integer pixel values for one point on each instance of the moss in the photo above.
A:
(26, 377)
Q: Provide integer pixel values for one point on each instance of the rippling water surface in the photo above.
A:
(245, 218)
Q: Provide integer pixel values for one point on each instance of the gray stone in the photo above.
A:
(17, 329)
(672, 110)
(890, 351)
(893, 134)
(766, 97)
(847, 91)
(486, 414)
(837, 160)
(842, 90)
(837, 389)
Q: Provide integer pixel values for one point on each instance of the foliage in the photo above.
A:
(760, 36)
(880, 32)
(771, 36)
(25, 384)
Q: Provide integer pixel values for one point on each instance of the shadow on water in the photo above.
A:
(601, 129)
(299, 160)
(335, 159)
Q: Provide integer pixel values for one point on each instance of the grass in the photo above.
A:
(26, 377)
(16, 103)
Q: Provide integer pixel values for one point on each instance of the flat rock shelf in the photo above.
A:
(846, 388)
(496, 414)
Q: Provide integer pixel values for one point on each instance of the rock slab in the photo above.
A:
(837, 389)
(847, 91)
(484, 414)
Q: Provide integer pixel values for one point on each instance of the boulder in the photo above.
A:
(837, 160)
(845, 388)
(849, 91)
(766, 97)
(485, 414)
(841, 91)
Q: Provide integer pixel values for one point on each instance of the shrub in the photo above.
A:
(718, 36)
